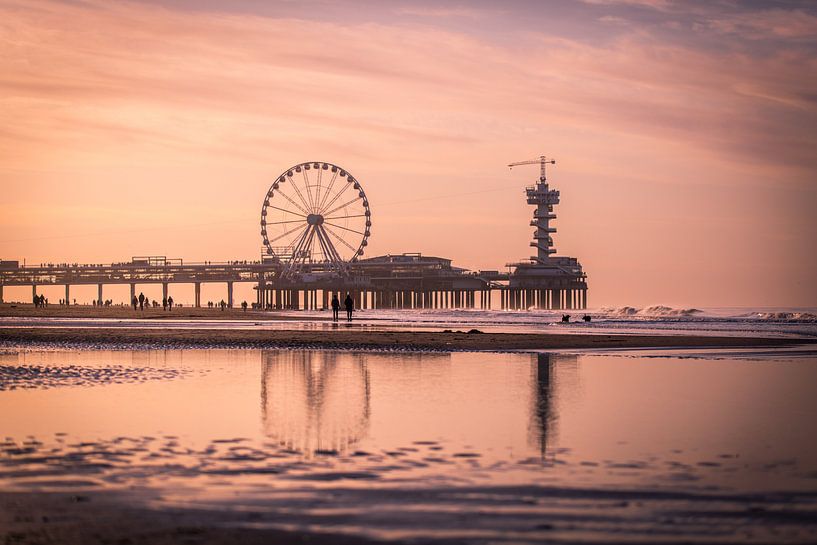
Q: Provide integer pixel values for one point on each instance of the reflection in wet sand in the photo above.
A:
(315, 401)
(548, 372)
(322, 401)
(464, 447)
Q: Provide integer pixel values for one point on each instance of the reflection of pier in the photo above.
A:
(545, 379)
(315, 400)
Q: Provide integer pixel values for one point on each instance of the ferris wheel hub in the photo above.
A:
(314, 219)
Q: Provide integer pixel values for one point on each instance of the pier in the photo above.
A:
(403, 281)
(313, 249)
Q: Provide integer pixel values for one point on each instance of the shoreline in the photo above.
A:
(352, 339)
(24, 310)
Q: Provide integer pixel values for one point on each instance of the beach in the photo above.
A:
(233, 328)
(202, 426)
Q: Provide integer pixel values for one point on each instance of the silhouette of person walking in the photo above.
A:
(350, 307)
(170, 303)
(141, 301)
(335, 307)
(134, 302)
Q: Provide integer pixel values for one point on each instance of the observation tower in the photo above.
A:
(547, 281)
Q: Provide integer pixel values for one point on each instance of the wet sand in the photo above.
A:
(92, 518)
(347, 337)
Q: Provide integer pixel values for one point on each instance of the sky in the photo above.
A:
(684, 133)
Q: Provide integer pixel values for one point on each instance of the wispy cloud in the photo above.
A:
(420, 101)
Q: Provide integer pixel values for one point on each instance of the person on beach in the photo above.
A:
(170, 303)
(36, 301)
(141, 301)
(244, 306)
(164, 303)
(134, 302)
(335, 307)
(350, 307)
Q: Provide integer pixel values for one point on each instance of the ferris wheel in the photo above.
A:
(315, 213)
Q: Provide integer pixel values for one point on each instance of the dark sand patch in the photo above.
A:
(135, 338)
(13, 377)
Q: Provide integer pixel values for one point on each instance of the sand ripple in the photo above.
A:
(13, 377)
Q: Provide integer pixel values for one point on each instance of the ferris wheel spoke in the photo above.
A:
(296, 250)
(344, 228)
(328, 189)
(285, 210)
(279, 237)
(281, 222)
(345, 217)
(296, 205)
(329, 251)
(331, 232)
(300, 196)
(334, 199)
(309, 242)
(344, 205)
(318, 188)
(307, 190)
(327, 242)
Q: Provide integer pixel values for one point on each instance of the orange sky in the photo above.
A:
(684, 133)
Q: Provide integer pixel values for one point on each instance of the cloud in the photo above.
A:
(171, 103)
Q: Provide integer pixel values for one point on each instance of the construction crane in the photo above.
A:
(541, 161)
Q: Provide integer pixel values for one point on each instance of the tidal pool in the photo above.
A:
(432, 446)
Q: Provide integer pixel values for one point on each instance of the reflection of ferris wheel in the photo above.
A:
(315, 401)
(315, 213)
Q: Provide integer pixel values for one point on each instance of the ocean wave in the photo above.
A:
(655, 311)
(782, 316)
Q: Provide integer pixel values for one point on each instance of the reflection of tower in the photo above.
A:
(314, 400)
(548, 372)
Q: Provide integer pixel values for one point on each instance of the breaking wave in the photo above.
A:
(782, 316)
(655, 311)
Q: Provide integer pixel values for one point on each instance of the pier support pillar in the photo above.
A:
(556, 299)
(99, 294)
(132, 293)
(68, 294)
(197, 293)
(229, 294)
(33, 291)
(164, 290)
(1, 293)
